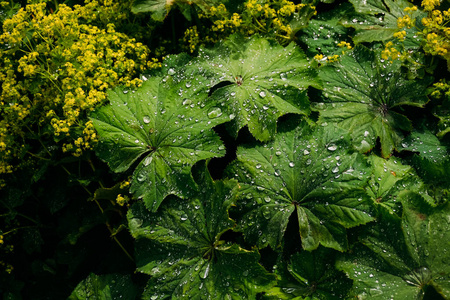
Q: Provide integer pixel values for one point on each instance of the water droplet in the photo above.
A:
(148, 161)
(141, 177)
(205, 273)
(146, 119)
(262, 94)
(278, 153)
(306, 152)
(183, 217)
(188, 84)
(291, 164)
(171, 71)
(187, 102)
(332, 147)
(232, 116)
(214, 112)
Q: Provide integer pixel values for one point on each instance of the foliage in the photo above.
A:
(295, 151)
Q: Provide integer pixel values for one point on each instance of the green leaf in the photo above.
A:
(161, 8)
(311, 173)
(401, 258)
(310, 274)
(105, 287)
(166, 131)
(324, 32)
(180, 247)
(389, 181)
(364, 95)
(256, 81)
(427, 145)
(376, 20)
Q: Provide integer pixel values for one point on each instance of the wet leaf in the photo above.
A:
(105, 287)
(364, 95)
(402, 257)
(310, 274)
(325, 31)
(180, 247)
(163, 132)
(377, 21)
(311, 173)
(161, 8)
(390, 179)
(256, 81)
(427, 146)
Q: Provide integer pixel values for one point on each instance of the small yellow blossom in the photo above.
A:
(122, 200)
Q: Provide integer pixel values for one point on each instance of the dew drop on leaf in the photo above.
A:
(214, 112)
(204, 273)
(146, 119)
(332, 147)
(262, 94)
(141, 177)
(147, 161)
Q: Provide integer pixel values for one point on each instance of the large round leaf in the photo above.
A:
(310, 173)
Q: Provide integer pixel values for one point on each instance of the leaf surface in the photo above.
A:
(165, 133)
(376, 20)
(427, 145)
(159, 9)
(180, 247)
(256, 81)
(309, 173)
(105, 287)
(402, 257)
(389, 181)
(310, 274)
(363, 95)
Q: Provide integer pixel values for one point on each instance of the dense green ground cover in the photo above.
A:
(260, 149)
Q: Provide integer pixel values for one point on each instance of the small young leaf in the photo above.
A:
(180, 247)
(310, 173)
(362, 94)
(262, 79)
(168, 133)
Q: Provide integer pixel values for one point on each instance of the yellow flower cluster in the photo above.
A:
(326, 59)
(55, 67)
(344, 44)
(271, 17)
(192, 38)
(441, 89)
(429, 5)
(436, 32)
(401, 35)
(390, 52)
(122, 200)
(7, 267)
